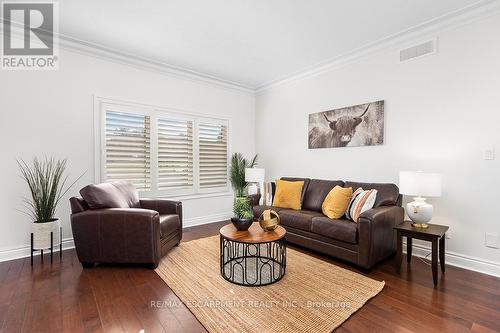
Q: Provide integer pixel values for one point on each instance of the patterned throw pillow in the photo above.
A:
(361, 201)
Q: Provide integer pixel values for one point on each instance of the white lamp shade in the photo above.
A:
(420, 184)
(254, 175)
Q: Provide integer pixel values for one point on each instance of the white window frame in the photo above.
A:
(102, 105)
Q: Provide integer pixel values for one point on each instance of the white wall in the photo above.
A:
(441, 113)
(51, 113)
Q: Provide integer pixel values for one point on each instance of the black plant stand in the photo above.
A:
(51, 247)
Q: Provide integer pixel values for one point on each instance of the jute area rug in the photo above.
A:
(313, 296)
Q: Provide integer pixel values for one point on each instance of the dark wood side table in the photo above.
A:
(434, 234)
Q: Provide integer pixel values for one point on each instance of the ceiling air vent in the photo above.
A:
(418, 51)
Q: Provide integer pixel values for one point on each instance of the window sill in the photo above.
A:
(190, 196)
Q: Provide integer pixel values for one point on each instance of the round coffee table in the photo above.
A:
(254, 257)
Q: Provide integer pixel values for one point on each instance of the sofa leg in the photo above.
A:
(87, 264)
(366, 270)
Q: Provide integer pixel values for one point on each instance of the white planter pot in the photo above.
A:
(41, 234)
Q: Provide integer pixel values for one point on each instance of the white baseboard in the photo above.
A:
(460, 260)
(24, 251)
(194, 221)
(452, 258)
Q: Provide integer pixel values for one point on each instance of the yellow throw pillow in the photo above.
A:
(288, 194)
(337, 202)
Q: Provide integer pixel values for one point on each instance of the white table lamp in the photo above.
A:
(419, 185)
(256, 176)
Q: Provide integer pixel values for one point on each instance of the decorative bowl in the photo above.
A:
(241, 224)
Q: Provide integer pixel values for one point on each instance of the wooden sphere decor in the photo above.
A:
(269, 220)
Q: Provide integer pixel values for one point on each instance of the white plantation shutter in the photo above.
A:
(212, 141)
(128, 148)
(175, 154)
(160, 152)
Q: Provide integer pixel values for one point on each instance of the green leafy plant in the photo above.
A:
(242, 208)
(238, 165)
(47, 185)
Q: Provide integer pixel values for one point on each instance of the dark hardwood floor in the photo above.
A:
(63, 297)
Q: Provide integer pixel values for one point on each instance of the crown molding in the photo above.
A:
(478, 10)
(87, 48)
(92, 49)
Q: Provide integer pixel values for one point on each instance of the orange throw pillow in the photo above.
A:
(288, 194)
(336, 202)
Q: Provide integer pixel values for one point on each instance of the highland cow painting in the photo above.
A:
(359, 125)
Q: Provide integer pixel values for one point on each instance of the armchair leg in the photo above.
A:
(86, 264)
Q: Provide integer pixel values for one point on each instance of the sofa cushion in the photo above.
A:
(298, 219)
(316, 192)
(129, 192)
(104, 195)
(304, 188)
(257, 210)
(387, 194)
(342, 230)
(169, 223)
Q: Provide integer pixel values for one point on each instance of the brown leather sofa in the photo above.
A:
(364, 243)
(112, 225)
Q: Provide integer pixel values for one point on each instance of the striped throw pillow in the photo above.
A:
(361, 201)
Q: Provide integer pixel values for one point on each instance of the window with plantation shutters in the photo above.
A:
(212, 145)
(175, 154)
(128, 149)
(162, 152)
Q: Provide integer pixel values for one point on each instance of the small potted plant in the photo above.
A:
(47, 185)
(243, 215)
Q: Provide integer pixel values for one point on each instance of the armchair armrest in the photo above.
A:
(164, 206)
(117, 235)
(377, 239)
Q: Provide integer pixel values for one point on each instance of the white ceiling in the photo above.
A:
(251, 42)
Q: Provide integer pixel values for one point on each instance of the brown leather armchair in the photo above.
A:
(111, 224)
